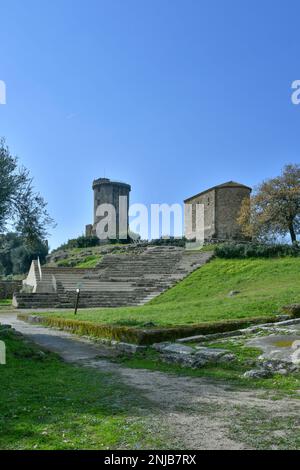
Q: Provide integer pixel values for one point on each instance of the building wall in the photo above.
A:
(208, 199)
(107, 192)
(228, 203)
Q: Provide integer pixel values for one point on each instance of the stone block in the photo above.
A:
(177, 349)
(214, 354)
(258, 374)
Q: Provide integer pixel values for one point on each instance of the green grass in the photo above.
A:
(84, 257)
(261, 430)
(89, 262)
(80, 258)
(48, 404)
(5, 304)
(231, 372)
(210, 247)
(264, 284)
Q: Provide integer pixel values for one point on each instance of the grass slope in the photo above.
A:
(83, 257)
(264, 284)
(48, 404)
(80, 258)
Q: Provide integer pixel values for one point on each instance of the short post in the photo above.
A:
(77, 301)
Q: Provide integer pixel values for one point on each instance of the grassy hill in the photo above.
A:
(264, 285)
(82, 257)
(75, 257)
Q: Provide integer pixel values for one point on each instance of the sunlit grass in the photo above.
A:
(265, 285)
(48, 404)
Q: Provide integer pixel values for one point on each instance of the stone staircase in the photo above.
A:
(119, 279)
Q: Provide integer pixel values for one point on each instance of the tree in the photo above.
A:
(16, 256)
(274, 208)
(19, 203)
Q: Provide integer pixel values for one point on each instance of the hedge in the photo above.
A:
(170, 241)
(145, 336)
(252, 250)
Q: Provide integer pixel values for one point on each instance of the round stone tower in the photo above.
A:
(116, 194)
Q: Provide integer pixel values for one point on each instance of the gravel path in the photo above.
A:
(200, 413)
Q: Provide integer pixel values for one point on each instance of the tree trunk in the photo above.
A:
(292, 233)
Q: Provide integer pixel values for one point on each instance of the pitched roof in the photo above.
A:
(228, 184)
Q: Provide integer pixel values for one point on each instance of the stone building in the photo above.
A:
(222, 204)
(116, 194)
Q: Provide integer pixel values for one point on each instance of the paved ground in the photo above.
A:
(199, 413)
(283, 347)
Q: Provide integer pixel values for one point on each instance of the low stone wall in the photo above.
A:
(7, 288)
(142, 336)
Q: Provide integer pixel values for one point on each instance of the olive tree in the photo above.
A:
(20, 205)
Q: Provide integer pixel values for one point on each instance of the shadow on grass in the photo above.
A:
(48, 404)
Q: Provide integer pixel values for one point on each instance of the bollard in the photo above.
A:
(77, 301)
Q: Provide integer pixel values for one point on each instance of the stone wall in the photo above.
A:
(228, 204)
(221, 209)
(208, 199)
(7, 288)
(116, 194)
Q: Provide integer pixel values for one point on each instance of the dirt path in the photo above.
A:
(200, 413)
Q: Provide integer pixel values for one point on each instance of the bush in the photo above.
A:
(252, 250)
(293, 310)
(89, 242)
(79, 242)
(171, 241)
(67, 263)
(121, 241)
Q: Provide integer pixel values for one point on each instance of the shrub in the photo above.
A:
(83, 242)
(171, 241)
(79, 242)
(252, 250)
(66, 263)
(293, 310)
(89, 242)
(121, 241)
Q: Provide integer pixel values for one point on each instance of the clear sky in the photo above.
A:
(171, 96)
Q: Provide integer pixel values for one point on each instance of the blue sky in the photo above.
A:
(172, 96)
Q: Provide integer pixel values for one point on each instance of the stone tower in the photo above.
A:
(116, 194)
(222, 204)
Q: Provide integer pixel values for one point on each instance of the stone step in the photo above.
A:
(131, 279)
